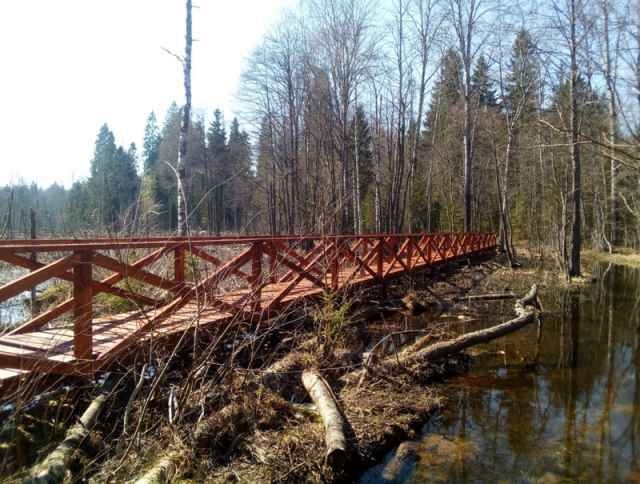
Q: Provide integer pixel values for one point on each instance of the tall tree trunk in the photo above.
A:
(184, 126)
(357, 215)
(612, 124)
(576, 226)
(468, 223)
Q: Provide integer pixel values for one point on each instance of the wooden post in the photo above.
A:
(273, 263)
(334, 266)
(410, 253)
(380, 268)
(256, 275)
(365, 251)
(380, 257)
(178, 265)
(82, 307)
(34, 258)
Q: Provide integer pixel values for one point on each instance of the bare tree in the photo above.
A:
(465, 16)
(342, 34)
(569, 23)
(427, 20)
(518, 89)
(184, 125)
(611, 38)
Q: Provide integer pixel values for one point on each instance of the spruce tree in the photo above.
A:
(523, 81)
(218, 170)
(165, 178)
(151, 143)
(101, 181)
(239, 163)
(481, 85)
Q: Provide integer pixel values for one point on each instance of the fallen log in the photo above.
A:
(526, 309)
(54, 468)
(334, 422)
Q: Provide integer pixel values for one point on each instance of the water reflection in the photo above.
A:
(573, 416)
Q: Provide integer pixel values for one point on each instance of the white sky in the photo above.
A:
(70, 65)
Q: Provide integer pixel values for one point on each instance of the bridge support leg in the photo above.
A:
(178, 265)
(82, 308)
(256, 276)
(335, 270)
(380, 268)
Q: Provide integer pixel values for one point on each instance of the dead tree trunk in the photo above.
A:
(332, 418)
(54, 467)
(576, 226)
(422, 351)
(184, 126)
(163, 470)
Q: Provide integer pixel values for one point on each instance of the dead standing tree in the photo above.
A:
(184, 123)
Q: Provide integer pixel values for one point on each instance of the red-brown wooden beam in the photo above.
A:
(83, 308)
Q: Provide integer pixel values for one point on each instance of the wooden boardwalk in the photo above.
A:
(177, 283)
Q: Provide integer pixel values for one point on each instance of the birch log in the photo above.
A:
(54, 468)
(332, 418)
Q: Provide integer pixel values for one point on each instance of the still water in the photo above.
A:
(572, 416)
(14, 310)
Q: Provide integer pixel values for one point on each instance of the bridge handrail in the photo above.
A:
(67, 245)
(327, 262)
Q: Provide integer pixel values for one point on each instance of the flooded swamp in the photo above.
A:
(564, 408)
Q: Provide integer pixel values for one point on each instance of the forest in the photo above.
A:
(476, 316)
(363, 116)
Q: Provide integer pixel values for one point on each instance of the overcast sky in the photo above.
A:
(70, 65)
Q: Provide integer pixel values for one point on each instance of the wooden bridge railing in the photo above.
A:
(244, 276)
